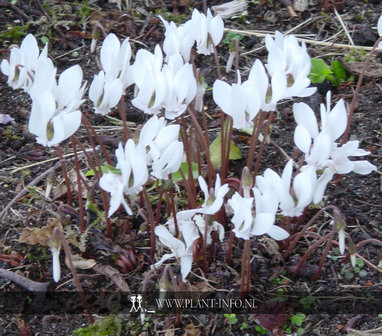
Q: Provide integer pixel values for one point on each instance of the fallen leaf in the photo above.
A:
(81, 263)
(39, 236)
(60, 189)
(191, 330)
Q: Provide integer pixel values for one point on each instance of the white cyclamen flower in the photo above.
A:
(214, 226)
(270, 92)
(55, 114)
(289, 59)
(213, 199)
(105, 94)
(180, 248)
(206, 30)
(181, 86)
(240, 101)
(177, 40)
(20, 68)
(150, 81)
(134, 174)
(164, 151)
(247, 224)
(108, 86)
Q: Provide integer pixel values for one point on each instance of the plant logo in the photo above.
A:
(136, 299)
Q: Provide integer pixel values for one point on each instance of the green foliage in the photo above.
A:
(216, 152)
(179, 19)
(261, 330)
(106, 326)
(357, 55)
(307, 301)
(177, 176)
(297, 319)
(84, 10)
(14, 34)
(230, 37)
(105, 168)
(231, 318)
(320, 71)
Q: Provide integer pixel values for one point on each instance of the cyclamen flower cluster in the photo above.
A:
(167, 84)
(192, 226)
(55, 113)
(157, 147)
(286, 76)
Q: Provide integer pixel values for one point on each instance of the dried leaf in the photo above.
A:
(60, 190)
(40, 236)
(81, 263)
(191, 330)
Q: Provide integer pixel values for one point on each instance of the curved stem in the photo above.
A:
(356, 93)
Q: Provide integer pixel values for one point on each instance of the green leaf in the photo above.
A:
(339, 71)
(215, 152)
(320, 71)
(177, 176)
(105, 168)
(297, 319)
(231, 318)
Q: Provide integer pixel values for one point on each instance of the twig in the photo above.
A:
(114, 275)
(30, 285)
(25, 190)
(16, 9)
(343, 26)
(313, 42)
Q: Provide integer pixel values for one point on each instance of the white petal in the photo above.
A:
(363, 167)
(302, 139)
(380, 25)
(263, 223)
(337, 120)
(56, 264)
(304, 115)
(185, 266)
(278, 233)
(221, 94)
(167, 239)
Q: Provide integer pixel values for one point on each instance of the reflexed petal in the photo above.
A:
(113, 92)
(164, 258)
(65, 125)
(216, 29)
(96, 88)
(278, 233)
(263, 223)
(363, 167)
(185, 266)
(221, 94)
(204, 187)
(29, 48)
(337, 120)
(303, 189)
(190, 234)
(321, 149)
(4, 66)
(322, 183)
(304, 116)
(302, 139)
(69, 85)
(108, 55)
(167, 239)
